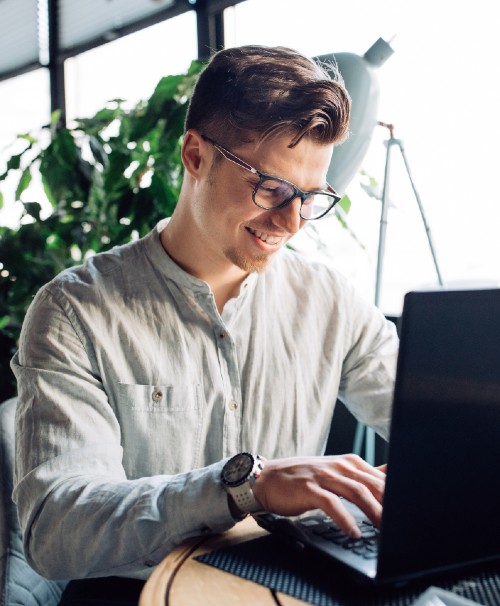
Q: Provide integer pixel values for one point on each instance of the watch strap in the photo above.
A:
(244, 497)
(242, 494)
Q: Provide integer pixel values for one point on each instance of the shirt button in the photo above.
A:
(222, 335)
(149, 563)
(157, 395)
(233, 405)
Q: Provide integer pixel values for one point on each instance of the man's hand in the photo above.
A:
(296, 485)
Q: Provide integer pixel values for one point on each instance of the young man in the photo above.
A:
(144, 371)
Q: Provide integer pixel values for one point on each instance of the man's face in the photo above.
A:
(236, 231)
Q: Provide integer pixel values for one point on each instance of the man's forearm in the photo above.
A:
(88, 527)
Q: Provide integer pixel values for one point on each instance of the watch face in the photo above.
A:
(238, 468)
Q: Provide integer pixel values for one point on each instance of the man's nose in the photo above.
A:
(288, 218)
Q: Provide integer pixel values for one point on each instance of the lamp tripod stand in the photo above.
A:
(390, 143)
(364, 433)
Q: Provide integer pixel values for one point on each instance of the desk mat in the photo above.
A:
(308, 578)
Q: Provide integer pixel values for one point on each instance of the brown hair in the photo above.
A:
(258, 92)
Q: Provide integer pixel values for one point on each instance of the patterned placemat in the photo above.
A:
(309, 578)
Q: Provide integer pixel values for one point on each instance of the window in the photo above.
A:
(130, 67)
(25, 107)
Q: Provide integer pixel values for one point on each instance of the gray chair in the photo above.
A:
(20, 585)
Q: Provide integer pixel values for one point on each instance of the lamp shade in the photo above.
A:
(361, 80)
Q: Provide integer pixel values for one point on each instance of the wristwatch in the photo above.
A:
(238, 476)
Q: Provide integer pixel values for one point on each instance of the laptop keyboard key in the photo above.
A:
(366, 546)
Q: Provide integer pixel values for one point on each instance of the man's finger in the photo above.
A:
(332, 505)
(357, 493)
(375, 485)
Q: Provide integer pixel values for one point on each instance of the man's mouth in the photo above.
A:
(267, 238)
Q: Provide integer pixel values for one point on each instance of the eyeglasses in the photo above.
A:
(274, 193)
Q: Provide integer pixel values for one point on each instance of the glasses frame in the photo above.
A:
(297, 192)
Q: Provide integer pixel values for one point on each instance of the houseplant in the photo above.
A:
(107, 180)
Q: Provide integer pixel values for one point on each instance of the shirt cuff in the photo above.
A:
(201, 501)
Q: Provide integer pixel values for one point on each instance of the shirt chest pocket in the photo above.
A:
(160, 399)
(161, 428)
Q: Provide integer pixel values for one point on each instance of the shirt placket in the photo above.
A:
(232, 395)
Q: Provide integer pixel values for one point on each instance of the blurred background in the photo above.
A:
(439, 89)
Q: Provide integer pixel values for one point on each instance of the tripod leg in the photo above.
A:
(383, 221)
(362, 431)
(422, 214)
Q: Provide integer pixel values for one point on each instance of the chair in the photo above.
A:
(20, 585)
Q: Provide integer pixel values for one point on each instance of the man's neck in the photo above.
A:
(224, 292)
(224, 279)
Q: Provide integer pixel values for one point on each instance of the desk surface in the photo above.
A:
(179, 580)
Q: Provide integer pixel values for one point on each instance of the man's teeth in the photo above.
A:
(264, 237)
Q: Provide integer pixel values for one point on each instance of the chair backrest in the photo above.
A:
(20, 585)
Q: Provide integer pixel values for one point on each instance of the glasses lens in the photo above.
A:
(271, 193)
(317, 205)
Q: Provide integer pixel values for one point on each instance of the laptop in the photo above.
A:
(441, 508)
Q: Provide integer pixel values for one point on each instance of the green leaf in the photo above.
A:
(168, 99)
(1, 200)
(55, 120)
(24, 182)
(163, 196)
(195, 67)
(99, 121)
(48, 192)
(27, 137)
(114, 179)
(65, 173)
(33, 209)
(97, 150)
(14, 162)
(107, 114)
(165, 91)
(345, 203)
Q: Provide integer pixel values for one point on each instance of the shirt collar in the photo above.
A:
(164, 264)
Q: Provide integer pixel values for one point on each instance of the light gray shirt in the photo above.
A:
(133, 391)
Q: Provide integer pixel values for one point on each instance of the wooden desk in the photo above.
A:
(179, 580)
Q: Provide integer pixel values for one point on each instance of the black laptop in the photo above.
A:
(441, 509)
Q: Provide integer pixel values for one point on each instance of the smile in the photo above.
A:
(267, 238)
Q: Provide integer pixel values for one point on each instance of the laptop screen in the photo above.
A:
(442, 498)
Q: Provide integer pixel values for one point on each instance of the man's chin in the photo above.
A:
(247, 263)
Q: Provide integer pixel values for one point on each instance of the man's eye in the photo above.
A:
(271, 189)
(276, 188)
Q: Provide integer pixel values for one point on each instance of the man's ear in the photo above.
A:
(196, 154)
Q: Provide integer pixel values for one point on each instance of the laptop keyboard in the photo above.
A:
(366, 546)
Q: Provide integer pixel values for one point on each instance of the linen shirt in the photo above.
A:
(134, 390)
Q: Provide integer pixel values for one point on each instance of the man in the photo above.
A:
(141, 373)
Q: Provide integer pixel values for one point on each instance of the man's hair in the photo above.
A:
(253, 93)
